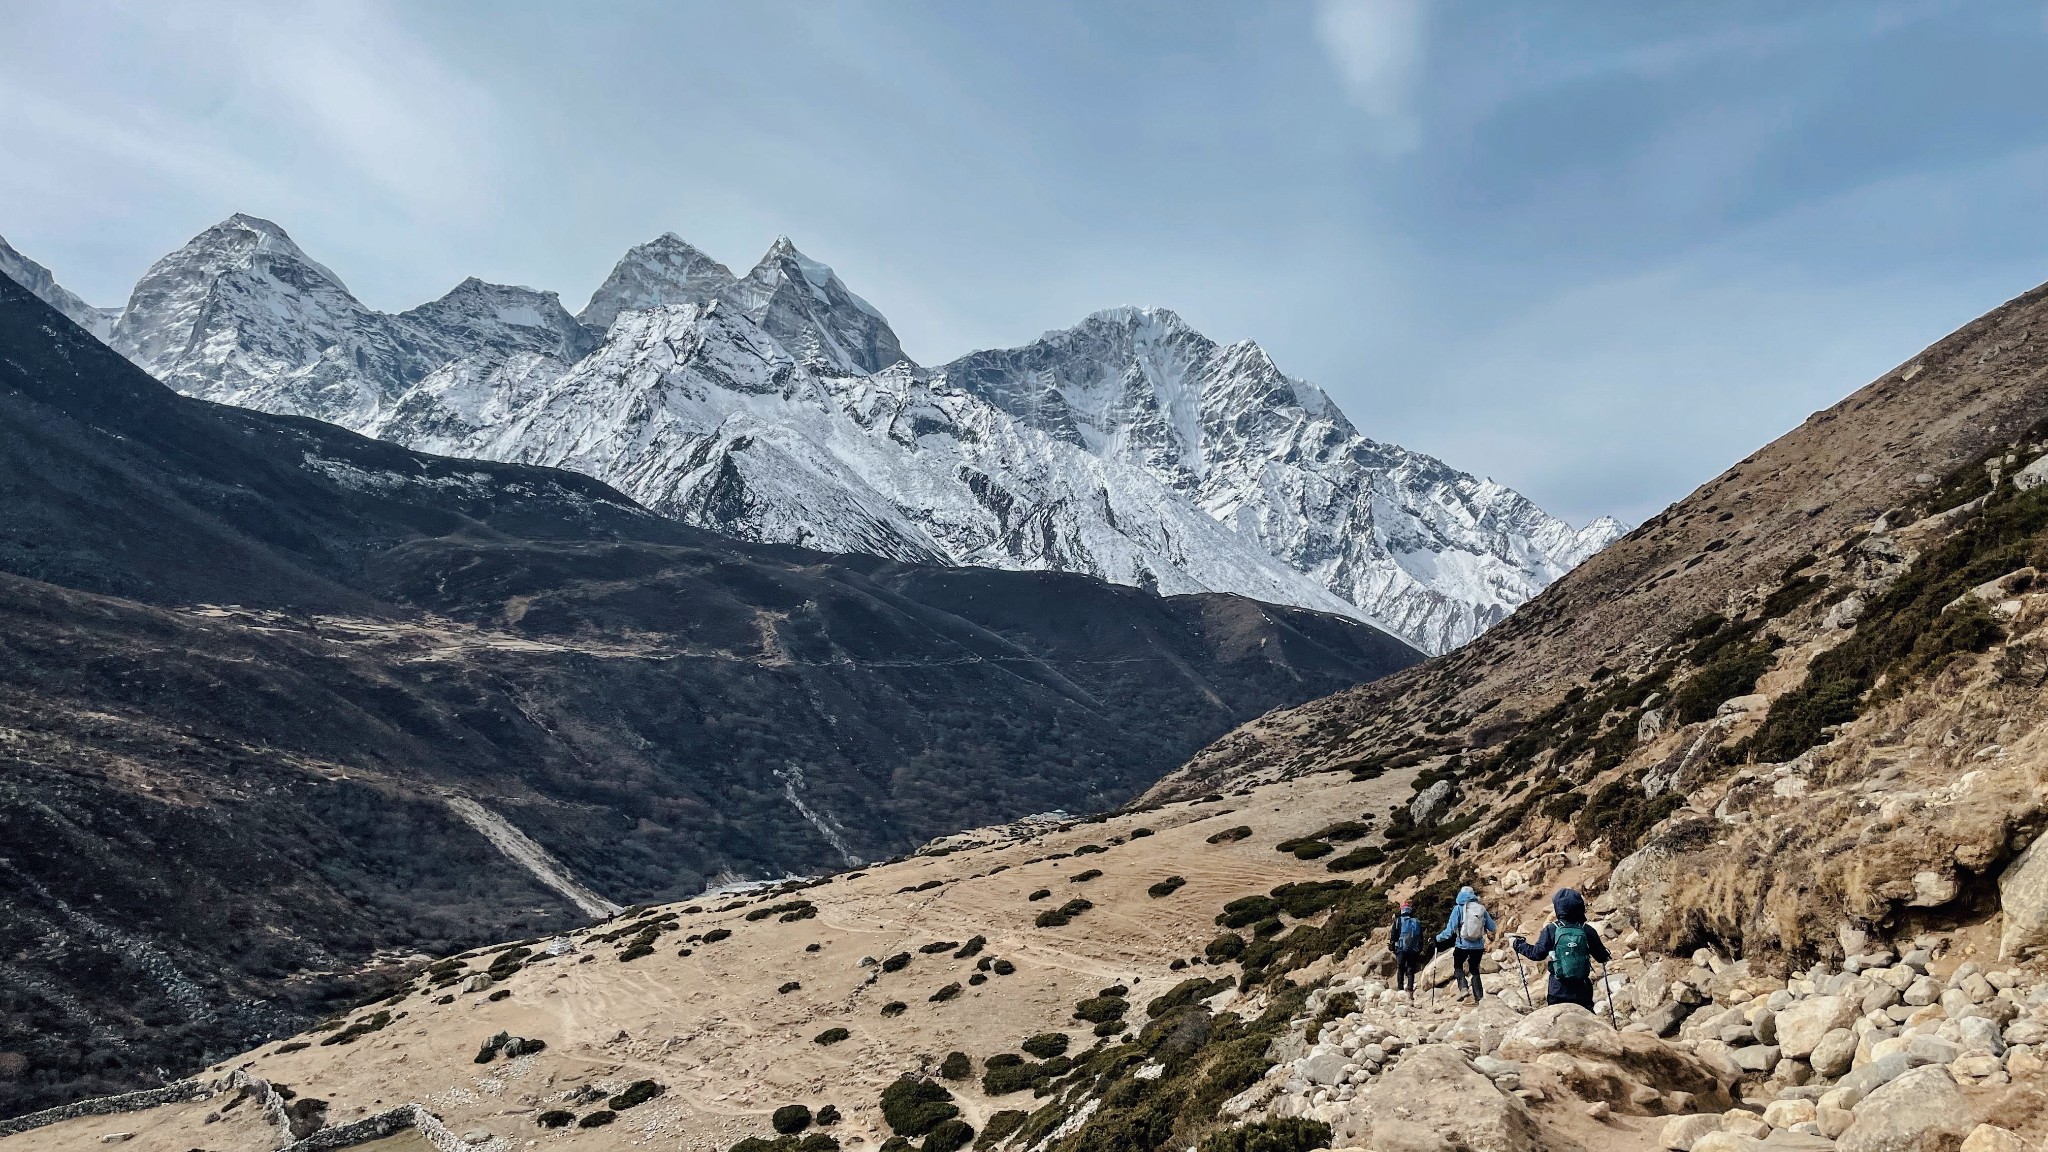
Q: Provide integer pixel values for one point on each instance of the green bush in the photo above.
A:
(555, 1118)
(956, 1066)
(948, 1136)
(1064, 914)
(1271, 926)
(1000, 1127)
(1047, 1045)
(1282, 1135)
(1356, 859)
(1185, 993)
(945, 994)
(1041, 894)
(1733, 672)
(1621, 813)
(790, 1119)
(787, 987)
(1311, 850)
(1224, 948)
(1166, 887)
(914, 1107)
(938, 946)
(1247, 910)
(1097, 1009)
(1308, 897)
(717, 934)
(972, 948)
(597, 1119)
(831, 1036)
(827, 1116)
(1084, 877)
(1344, 831)
(894, 1008)
(637, 1093)
(896, 963)
(1232, 835)
(1002, 968)
(1111, 1027)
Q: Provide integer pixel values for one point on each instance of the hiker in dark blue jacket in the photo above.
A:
(1571, 945)
(1405, 939)
(1469, 926)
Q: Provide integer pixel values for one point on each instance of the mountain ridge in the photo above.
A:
(1110, 438)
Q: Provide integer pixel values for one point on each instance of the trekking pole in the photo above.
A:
(1528, 997)
(1609, 989)
(1434, 950)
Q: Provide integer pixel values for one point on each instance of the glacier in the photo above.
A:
(779, 406)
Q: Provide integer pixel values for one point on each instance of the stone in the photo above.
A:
(1976, 1067)
(1599, 1110)
(1801, 1026)
(1979, 1035)
(1486, 1025)
(1560, 1027)
(2023, 899)
(1920, 1111)
(477, 983)
(1923, 990)
(1879, 997)
(1834, 1054)
(1743, 1122)
(1326, 1066)
(1930, 1050)
(1664, 1019)
(1977, 988)
(1726, 1142)
(1447, 1101)
(117, 1137)
(2024, 1060)
(1433, 803)
(1805, 1138)
(1992, 1138)
(1877, 1073)
(1841, 1097)
(1786, 1113)
(1833, 1121)
(477, 1136)
(1899, 976)
(1758, 1058)
(2026, 1031)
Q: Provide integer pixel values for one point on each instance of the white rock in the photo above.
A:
(1921, 1111)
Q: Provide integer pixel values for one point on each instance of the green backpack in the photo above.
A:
(1571, 957)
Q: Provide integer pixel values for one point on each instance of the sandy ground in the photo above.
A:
(730, 1048)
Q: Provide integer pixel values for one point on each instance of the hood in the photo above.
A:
(1466, 895)
(1569, 906)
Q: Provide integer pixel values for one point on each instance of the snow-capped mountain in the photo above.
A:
(779, 406)
(37, 279)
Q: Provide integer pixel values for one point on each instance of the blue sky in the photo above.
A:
(1596, 250)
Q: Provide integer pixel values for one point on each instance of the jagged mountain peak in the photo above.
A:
(665, 270)
(805, 305)
(505, 318)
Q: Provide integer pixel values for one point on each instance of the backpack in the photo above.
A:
(1472, 925)
(1409, 937)
(1571, 956)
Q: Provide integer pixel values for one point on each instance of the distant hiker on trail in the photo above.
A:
(1571, 945)
(1469, 926)
(1405, 938)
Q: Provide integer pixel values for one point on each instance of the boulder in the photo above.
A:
(1486, 1026)
(1920, 1111)
(1979, 1036)
(1664, 1019)
(1326, 1066)
(2023, 898)
(1433, 803)
(1874, 1075)
(1757, 1058)
(1433, 1099)
(1801, 1026)
(2026, 1031)
(1727, 1142)
(1834, 1054)
(1786, 1113)
(1681, 1132)
(1992, 1138)
(1560, 1027)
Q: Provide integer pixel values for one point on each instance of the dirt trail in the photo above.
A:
(521, 849)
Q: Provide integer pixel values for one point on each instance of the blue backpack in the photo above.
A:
(1409, 937)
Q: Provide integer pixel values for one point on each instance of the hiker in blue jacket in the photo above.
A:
(1469, 926)
(1405, 939)
(1571, 945)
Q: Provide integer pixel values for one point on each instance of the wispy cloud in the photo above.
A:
(1377, 47)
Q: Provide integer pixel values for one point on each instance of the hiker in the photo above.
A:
(1571, 945)
(1470, 925)
(1405, 938)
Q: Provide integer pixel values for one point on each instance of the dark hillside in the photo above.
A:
(247, 662)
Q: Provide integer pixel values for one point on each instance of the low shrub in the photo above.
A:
(1041, 894)
(717, 934)
(787, 988)
(1187, 992)
(637, 1093)
(977, 980)
(1357, 858)
(914, 1107)
(1166, 887)
(956, 1066)
(827, 1116)
(894, 1008)
(1064, 914)
(939, 946)
(1097, 1009)
(1046, 1045)
(831, 1035)
(1111, 1027)
(948, 1136)
(896, 963)
(790, 1119)
(1224, 948)
(1000, 1127)
(972, 948)
(1002, 968)
(1247, 910)
(1232, 835)
(1309, 897)
(1289, 1134)
(555, 1118)
(1138, 832)
(1084, 877)
(597, 1119)
(1344, 831)
(946, 993)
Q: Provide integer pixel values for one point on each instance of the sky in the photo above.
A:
(1596, 251)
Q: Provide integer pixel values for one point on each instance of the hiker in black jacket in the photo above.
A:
(1571, 945)
(1405, 941)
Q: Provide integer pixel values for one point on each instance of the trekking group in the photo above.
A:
(1568, 943)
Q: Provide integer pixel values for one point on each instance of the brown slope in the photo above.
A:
(1825, 480)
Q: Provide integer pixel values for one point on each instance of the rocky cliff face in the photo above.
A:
(779, 406)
